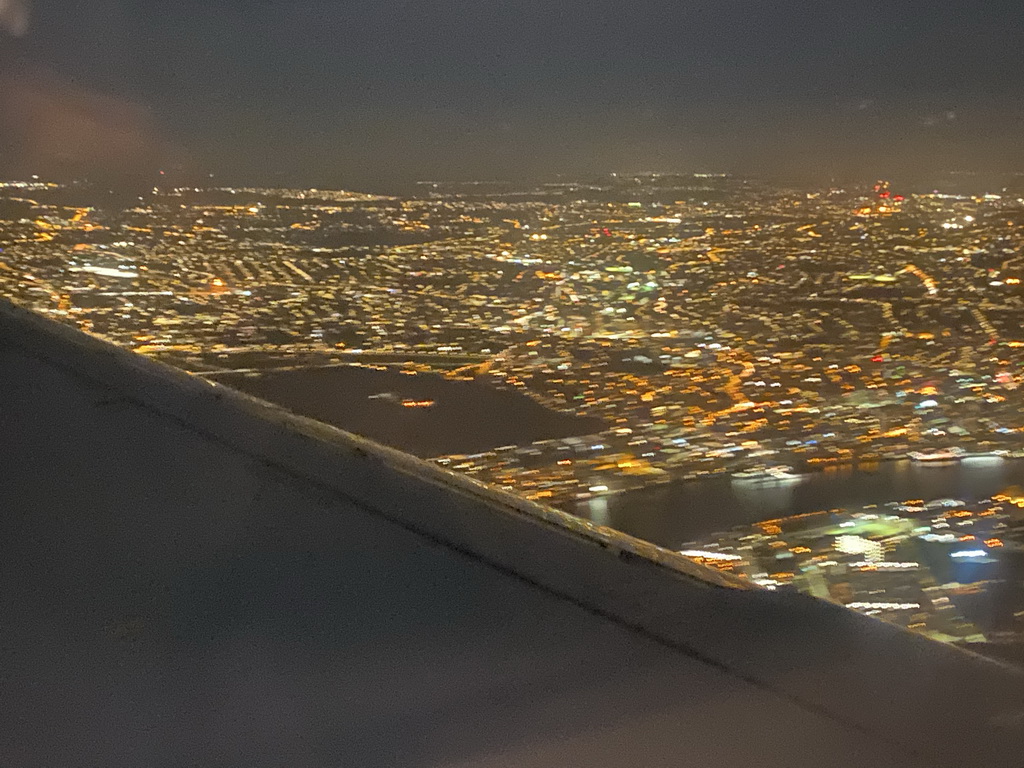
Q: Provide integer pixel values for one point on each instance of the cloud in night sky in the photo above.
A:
(14, 17)
(366, 92)
(54, 127)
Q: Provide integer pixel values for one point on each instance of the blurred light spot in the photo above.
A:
(14, 16)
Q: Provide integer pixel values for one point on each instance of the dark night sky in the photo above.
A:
(372, 93)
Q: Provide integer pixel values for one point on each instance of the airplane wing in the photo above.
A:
(193, 577)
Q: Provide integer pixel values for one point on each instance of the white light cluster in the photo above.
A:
(709, 555)
(885, 565)
(883, 606)
(858, 545)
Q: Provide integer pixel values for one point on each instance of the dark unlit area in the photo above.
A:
(461, 416)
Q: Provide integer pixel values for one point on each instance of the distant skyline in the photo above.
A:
(376, 94)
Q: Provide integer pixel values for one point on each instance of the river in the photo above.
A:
(680, 512)
(463, 417)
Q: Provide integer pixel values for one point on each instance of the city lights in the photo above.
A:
(694, 328)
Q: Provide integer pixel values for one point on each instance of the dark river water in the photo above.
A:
(467, 416)
(680, 512)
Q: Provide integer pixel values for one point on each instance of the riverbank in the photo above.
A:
(682, 511)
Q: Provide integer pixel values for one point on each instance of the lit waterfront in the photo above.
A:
(674, 514)
(931, 548)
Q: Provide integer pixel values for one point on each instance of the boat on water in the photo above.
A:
(776, 474)
(944, 456)
(407, 403)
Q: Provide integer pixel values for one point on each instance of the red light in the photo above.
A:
(877, 359)
(884, 195)
(899, 198)
(607, 232)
